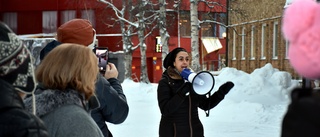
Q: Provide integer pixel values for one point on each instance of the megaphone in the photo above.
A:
(202, 82)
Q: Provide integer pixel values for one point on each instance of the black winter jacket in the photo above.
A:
(15, 121)
(179, 111)
(113, 104)
(302, 116)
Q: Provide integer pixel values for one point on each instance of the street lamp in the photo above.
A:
(224, 35)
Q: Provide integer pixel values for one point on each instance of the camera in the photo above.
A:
(102, 54)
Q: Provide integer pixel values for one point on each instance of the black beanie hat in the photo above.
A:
(50, 46)
(170, 58)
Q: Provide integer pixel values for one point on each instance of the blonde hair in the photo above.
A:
(69, 66)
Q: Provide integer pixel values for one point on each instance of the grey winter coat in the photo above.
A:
(64, 114)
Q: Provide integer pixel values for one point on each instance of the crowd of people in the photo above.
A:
(66, 95)
(67, 90)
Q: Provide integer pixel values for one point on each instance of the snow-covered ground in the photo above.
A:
(253, 108)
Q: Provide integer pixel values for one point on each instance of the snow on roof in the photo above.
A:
(52, 35)
(39, 35)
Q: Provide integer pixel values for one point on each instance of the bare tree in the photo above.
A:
(142, 24)
(143, 47)
(126, 37)
(140, 20)
(163, 29)
(195, 65)
(196, 25)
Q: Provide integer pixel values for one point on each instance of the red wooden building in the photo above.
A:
(45, 16)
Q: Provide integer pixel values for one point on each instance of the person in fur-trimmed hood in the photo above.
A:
(178, 102)
(68, 74)
(16, 80)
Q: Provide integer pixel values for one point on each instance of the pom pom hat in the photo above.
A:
(79, 31)
(301, 27)
(16, 64)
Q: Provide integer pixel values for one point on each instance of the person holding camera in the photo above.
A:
(179, 103)
(113, 103)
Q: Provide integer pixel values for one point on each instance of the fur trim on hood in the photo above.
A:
(173, 73)
(49, 100)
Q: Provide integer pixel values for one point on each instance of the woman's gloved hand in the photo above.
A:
(225, 88)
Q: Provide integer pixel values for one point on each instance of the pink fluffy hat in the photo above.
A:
(301, 27)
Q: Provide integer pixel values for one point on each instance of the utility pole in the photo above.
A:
(227, 32)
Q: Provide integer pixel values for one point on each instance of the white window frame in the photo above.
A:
(68, 15)
(253, 29)
(243, 43)
(11, 19)
(234, 45)
(263, 39)
(89, 15)
(275, 41)
(49, 21)
(287, 49)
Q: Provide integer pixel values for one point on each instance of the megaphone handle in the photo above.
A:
(209, 104)
(207, 114)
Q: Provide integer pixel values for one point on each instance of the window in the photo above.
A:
(263, 41)
(49, 21)
(67, 15)
(243, 43)
(287, 48)
(222, 30)
(89, 15)
(208, 28)
(10, 18)
(171, 21)
(234, 45)
(222, 18)
(211, 29)
(275, 41)
(185, 24)
(253, 51)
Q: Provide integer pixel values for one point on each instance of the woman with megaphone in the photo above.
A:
(179, 103)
